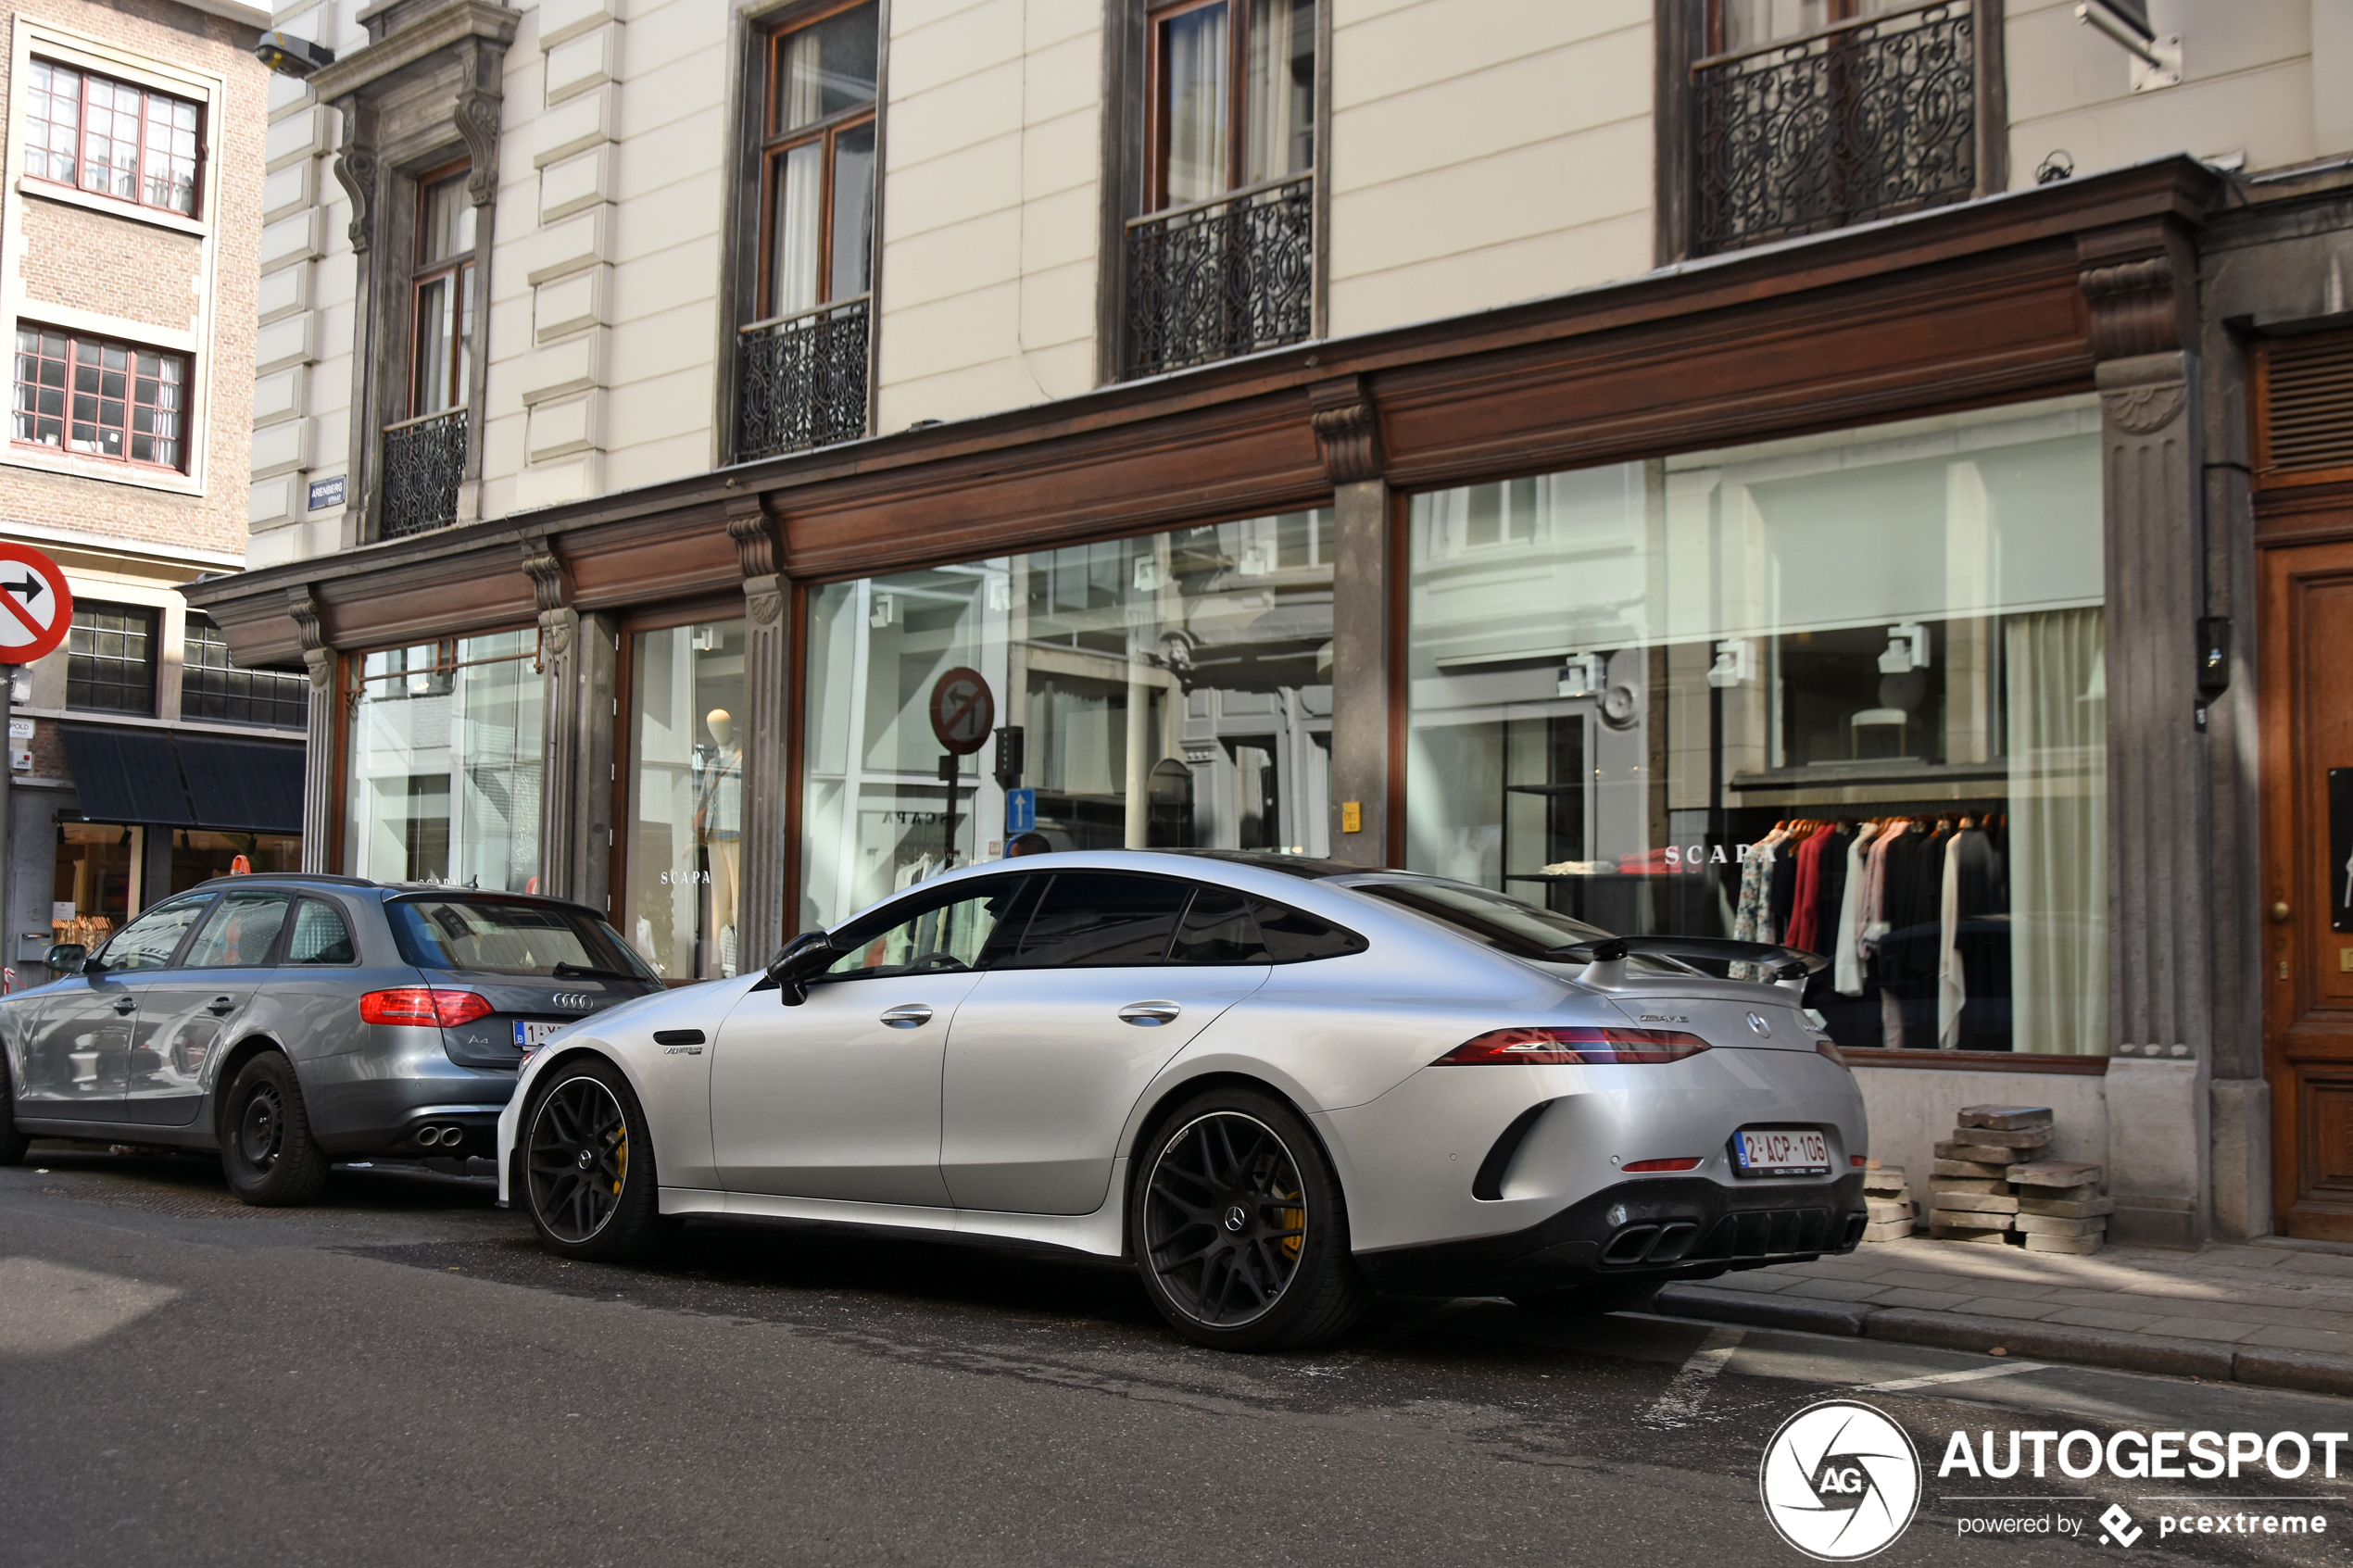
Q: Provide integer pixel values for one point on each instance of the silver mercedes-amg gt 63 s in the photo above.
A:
(1275, 1084)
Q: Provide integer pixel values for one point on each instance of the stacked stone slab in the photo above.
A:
(2060, 1207)
(1888, 1195)
(1971, 1197)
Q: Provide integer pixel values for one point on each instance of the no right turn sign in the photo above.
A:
(36, 608)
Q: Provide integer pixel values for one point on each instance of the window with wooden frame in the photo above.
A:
(817, 162)
(441, 289)
(127, 141)
(1232, 99)
(100, 399)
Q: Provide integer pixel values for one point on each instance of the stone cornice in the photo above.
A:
(450, 24)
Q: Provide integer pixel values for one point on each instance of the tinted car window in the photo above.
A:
(936, 934)
(1095, 920)
(495, 936)
(320, 936)
(1294, 935)
(1499, 920)
(241, 931)
(149, 941)
(1218, 928)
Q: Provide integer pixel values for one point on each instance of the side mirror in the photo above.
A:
(805, 957)
(66, 958)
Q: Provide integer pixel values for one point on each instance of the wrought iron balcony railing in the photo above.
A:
(801, 379)
(1855, 122)
(425, 464)
(1222, 277)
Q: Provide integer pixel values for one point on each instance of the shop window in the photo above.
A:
(120, 141)
(443, 780)
(200, 854)
(682, 861)
(1220, 262)
(100, 399)
(211, 686)
(97, 888)
(110, 659)
(1846, 693)
(802, 364)
(1172, 691)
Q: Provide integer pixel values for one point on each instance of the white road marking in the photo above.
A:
(1681, 1399)
(1969, 1375)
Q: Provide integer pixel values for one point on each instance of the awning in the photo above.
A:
(126, 775)
(253, 785)
(158, 778)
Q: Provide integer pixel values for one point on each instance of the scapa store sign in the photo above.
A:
(1839, 1482)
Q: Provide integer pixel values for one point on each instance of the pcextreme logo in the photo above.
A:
(1840, 1481)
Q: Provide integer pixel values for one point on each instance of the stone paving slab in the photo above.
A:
(2276, 1315)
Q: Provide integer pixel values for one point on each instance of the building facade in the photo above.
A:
(1720, 467)
(143, 758)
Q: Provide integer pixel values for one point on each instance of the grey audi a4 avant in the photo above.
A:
(290, 1020)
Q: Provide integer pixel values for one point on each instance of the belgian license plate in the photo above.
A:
(1782, 1152)
(532, 1033)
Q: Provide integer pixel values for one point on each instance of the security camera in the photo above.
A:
(289, 56)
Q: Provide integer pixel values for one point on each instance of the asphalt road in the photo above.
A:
(399, 1375)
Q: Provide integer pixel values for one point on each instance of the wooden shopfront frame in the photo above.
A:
(1966, 306)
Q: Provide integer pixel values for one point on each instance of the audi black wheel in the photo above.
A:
(588, 1165)
(1240, 1230)
(266, 1150)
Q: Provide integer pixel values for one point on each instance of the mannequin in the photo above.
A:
(719, 826)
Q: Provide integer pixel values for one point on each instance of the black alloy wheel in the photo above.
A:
(588, 1174)
(1240, 1230)
(266, 1148)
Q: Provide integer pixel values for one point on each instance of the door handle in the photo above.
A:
(913, 1015)
(1149, 1015)
(221, 1007)
(126, 1006)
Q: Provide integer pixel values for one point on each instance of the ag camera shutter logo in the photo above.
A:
(1840, 1481)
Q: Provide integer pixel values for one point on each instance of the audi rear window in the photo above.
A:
(497, 937)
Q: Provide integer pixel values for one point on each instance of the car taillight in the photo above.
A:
(1829, 1048)
(1563, 1047)
(423, 1005)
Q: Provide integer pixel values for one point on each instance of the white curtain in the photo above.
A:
(1280, 109)
(1193, 47)
(2058, 860)
(800, 177)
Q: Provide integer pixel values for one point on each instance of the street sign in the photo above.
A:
(36, 608)
(1021, 811)
(962, 711)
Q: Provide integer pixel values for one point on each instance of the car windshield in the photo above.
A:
(495, 936)
(1499, 920)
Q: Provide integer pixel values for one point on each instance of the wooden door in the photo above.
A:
(2307, 660)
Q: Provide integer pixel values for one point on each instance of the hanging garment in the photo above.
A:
(1829, 893)
(1749, 919)
(1782, 891)
(1846, 969)
(1808, 888)
(1981, 941)
(1952, 990)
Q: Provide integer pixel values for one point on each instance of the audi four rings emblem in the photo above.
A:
(579, 1001)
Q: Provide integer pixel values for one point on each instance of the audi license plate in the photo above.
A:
(1782, 1151)
(532, 1033)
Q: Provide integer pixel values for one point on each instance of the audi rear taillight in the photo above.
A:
(1572, 1047)
(421, 1006)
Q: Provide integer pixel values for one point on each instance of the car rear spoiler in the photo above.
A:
(1605, 957)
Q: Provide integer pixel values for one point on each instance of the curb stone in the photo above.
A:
(2308, 1371)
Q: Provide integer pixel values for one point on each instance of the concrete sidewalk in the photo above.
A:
(2280, 1316)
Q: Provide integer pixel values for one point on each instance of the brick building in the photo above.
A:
(143, 760)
